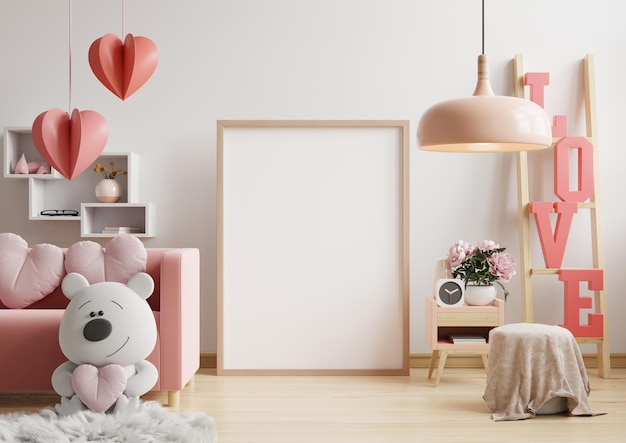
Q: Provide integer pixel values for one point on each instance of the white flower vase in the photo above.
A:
(476, 295)
(108, 190)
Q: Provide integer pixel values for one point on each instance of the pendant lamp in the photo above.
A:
(484, 122)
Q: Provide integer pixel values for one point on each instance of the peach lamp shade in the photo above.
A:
(484, 122)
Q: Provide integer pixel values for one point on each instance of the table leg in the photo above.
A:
(442, 362)
(433, 360)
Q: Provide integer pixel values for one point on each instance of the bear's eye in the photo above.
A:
(100, 313)
(92, 314)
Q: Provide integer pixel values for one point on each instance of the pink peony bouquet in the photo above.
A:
(482, 264)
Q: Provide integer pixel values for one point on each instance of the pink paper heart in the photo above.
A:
(123, 68)
(70, 145)
(99, 389)
(27, 275)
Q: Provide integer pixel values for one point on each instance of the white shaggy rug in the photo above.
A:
(151, 423)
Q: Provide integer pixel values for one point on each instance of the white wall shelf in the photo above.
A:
(98, 216)
(53, 191)
(64, 194)
(18, 141)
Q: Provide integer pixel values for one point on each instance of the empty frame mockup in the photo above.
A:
(313, 247)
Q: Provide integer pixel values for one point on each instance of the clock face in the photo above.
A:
(450, 292)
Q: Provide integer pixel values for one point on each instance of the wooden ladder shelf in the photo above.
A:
(592, 205)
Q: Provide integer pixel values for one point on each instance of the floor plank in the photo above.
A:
(307, 409)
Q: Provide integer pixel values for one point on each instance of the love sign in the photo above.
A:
(553, 242)
(70, 144)
(123, 67)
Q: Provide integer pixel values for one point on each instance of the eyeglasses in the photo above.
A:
(58, 212)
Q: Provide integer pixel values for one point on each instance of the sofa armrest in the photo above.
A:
(179, 317)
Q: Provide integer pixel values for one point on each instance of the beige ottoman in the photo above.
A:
(532, 369)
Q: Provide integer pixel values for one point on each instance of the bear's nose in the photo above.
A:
(97, 330)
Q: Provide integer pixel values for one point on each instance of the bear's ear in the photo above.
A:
(142, 284)
(72, 283)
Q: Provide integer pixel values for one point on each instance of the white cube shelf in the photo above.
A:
(54, 192)
(65, 194)
(18, 141)
(95, 217)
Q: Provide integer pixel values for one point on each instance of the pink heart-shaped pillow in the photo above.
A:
(123, 68)
(99, 389)
(122, 257)
(27, 275)
(70, 144)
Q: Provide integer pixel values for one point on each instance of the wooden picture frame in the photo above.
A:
(313, 247)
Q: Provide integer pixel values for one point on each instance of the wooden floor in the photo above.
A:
(321, 409)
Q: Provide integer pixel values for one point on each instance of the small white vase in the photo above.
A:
(108, 190)
(476, 295)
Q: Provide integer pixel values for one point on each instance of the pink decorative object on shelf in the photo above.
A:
(44, 168)
(21, 167)
(24, 167)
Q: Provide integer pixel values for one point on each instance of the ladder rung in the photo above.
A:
(551, 271)
(583, 205)
(555, 140)
(588, 205)
(583, 340)
(544, 271)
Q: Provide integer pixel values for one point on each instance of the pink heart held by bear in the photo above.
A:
(70, 144)
(123, 67)
(99, 389)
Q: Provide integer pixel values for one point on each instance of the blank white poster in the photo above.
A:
(312, 221)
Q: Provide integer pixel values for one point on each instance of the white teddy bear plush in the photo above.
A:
(107, 331)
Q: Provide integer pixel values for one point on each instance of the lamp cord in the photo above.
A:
(483, 35)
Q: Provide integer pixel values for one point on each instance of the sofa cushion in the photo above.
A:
(122, 257)
(27, 274)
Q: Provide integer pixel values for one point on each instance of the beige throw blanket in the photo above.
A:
(531, 363)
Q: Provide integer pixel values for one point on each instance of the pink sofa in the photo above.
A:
(29, 347)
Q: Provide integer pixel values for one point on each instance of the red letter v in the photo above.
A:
(553, 246)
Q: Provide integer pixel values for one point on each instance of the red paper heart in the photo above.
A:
(123, 68)
(70, 145)
(99, 389)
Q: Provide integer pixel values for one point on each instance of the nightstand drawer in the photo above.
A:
(468, 318)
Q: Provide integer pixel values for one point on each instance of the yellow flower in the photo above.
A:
(105, 170)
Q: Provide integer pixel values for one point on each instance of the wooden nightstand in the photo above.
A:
(475, 321)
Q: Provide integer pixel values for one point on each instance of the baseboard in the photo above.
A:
(618, 361)
(208, 361)
(453, 361)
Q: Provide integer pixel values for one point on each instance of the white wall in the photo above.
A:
(326, 59)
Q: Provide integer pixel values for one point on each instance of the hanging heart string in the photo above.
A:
(123, 18)
(123, 66)
(69, 57)
(70, 143)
